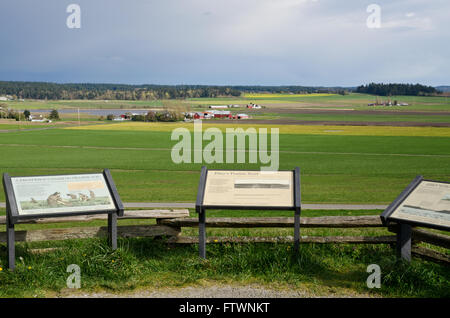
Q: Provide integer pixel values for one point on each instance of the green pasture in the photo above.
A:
(13, 125)
(335, 169)
(82, 104)
(354, 101)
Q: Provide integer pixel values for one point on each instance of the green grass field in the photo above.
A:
(82, 104)
(355, 101)
(339, 164)
(335, 169)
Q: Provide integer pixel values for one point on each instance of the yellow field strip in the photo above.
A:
(283, 129)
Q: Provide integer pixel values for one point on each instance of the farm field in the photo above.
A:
(352, 164)
(324, 101)
(359, 166)
(344, 116)
(82, 104)
(318, 101)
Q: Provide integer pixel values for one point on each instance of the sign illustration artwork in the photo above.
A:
(59, 194)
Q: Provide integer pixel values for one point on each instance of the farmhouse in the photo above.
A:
(38, 119)
(221, 114)
(198, 116)
(253, 106)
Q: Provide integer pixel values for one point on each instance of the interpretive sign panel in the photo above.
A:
(34, 197)
(423, 203)
(249, 188)
(427, 203)
(59, 194)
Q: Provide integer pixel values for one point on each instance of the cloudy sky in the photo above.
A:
(226, 42)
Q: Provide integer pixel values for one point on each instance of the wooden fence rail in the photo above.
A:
(130, 214)
(305, 222)
(56, 234)
(170, 222)
(92, 232)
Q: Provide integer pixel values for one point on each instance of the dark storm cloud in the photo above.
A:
(305, 42)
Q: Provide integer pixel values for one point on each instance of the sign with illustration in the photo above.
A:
(428, 203)
(59, 194)
(249, 188)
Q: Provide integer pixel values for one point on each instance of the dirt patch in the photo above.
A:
(287, 121)
(350, 112)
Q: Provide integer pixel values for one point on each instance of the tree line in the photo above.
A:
(8, 113)
(397, 89)
(56, 91)
(153, 116)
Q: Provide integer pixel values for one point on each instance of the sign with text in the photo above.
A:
(428, 203)
(249, 188)
(424, 203)
(60, 194)
(34, 197)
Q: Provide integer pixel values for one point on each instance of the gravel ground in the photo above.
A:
(217, 291)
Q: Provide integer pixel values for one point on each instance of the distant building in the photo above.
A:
(198, 116)
(218, 106)
(222, 114)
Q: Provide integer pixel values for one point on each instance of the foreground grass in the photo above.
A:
(146, 263)
(143, 263)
